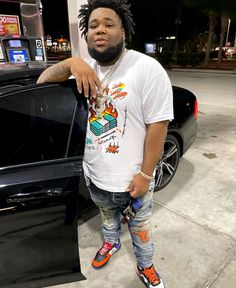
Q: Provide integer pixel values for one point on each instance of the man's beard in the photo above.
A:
(110, 54)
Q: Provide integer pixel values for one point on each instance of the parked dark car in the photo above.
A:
(214, 54)
(41, 148)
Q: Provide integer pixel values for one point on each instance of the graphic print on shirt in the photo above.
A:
(103, 119)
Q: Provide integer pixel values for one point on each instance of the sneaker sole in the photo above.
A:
(106, 260)
(142, 279)
(160, 285)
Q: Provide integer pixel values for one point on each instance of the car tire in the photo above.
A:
(167, 166)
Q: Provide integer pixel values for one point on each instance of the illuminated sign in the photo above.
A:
(9, 25)
(2, 58)
(150, 48)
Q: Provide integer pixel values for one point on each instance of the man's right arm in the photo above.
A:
(55, 73)
(85, 76)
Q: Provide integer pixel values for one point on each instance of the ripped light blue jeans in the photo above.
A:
(109, 204)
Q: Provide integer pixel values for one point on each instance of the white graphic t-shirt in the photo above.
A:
(139, 93)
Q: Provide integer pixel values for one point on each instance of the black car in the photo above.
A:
(214, 54)
(43, 130)
(182, 132)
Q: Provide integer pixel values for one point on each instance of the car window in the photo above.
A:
(35, 124)
(78, 132)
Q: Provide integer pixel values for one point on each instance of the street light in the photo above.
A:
(177, 22)
(227, 35)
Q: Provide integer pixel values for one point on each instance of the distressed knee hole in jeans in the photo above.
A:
(108, 217)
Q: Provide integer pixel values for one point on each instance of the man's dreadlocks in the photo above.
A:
(119, 6)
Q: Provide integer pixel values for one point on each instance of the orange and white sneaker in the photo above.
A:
(104, 254)
(150, 277)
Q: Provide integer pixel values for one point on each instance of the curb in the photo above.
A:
(204, 71)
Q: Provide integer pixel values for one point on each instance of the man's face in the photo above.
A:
(106, 35)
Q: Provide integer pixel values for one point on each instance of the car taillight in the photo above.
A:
(195, 111)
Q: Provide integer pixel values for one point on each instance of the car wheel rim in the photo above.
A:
(167, 166)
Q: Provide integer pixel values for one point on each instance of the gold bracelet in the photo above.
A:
(145, 175)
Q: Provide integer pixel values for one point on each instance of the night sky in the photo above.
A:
(153, 18)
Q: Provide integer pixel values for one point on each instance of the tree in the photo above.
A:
(214, 8)
(207, 7)
(227, 10)
(212, 16)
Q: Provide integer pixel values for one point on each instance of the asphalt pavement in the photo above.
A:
(194, 217)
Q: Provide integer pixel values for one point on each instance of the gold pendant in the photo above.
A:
(100, 102)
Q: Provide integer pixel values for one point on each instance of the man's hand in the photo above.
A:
(85, 76)
(138, 187)
(153, 147)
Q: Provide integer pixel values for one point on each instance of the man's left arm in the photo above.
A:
(153, 148)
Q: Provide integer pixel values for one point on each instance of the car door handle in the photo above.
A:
(36, 195)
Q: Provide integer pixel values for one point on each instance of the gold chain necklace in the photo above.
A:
(100, 100)
(107, 78)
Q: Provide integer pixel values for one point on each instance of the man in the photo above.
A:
(130, 107)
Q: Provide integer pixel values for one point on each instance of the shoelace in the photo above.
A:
(106, 247)
(151, 274)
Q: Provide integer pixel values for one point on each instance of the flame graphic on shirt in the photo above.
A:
(103, 114)
(109, 110)
(112, 148)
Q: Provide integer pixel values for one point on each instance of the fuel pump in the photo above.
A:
(22, 49)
